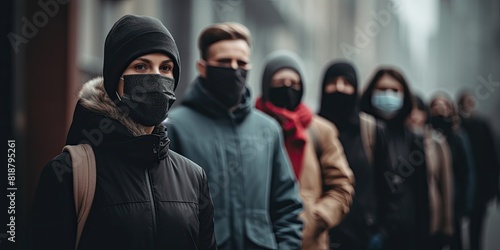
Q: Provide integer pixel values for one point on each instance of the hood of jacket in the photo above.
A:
(281, 59)
(199, 99)
(99, 122)
(339, 108)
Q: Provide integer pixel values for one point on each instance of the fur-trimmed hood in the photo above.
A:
(93, 97)
(95, 111)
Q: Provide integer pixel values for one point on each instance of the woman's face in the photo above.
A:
(441, 106)
(155, 63)
(388, 97)
(387, 82)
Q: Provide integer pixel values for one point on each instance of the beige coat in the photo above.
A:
(440, 179)
(326, 185)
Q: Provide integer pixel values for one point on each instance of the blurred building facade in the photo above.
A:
(439, 45)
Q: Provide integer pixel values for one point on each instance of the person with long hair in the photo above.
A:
(403, 207)
(446, 120)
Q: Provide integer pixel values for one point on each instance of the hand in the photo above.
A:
(321, 225)
(376, 242)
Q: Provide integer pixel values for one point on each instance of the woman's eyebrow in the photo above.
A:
(144, 60)
(149, 61)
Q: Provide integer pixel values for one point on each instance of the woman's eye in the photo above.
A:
(140, 67)
(165, 68)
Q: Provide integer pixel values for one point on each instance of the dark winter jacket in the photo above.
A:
(147, 197)
(255, 193)
(341, 109)
(486, 164)
(361, 222)
(403, 197)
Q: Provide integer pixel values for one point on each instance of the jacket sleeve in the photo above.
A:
(338, 179)
(206, 216)
(446, 184)
(285, 203)
(53, 217)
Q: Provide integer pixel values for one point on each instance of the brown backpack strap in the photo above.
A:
(368, 127)
(84, 181)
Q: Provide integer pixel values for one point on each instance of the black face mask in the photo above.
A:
(227, 85)
(147, 97)
(285, 97)
(442, 124)
(339, 106)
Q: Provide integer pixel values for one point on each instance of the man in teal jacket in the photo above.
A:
(255, 193)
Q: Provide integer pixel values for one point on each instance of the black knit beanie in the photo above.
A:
(133, 36)
(279, 60)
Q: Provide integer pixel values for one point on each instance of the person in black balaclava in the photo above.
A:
(445, 119)
(402, 190)
(339, 105)
(146, 196)
(339, 94)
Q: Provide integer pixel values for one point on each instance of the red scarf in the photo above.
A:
(294, 125)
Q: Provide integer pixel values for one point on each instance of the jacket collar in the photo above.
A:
(99, 122)
(199, 99)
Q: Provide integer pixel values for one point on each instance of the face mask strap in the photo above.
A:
(116, 92)
(117, 95)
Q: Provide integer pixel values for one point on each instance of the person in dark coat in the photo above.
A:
(146, 196)
(445, 119)
(402, 190)
(255, 193)
(486, 164)
(339, 104)
(439, 173)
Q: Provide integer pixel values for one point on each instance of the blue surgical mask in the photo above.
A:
(387, 103)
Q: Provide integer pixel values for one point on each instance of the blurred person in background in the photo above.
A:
(445, 119)
(403, 211)
(146, 196)
(318, 160)
(255, 193)
(364, 146)
(439, 173)
(485, 162)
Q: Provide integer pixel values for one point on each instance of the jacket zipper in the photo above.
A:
(153, 208)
